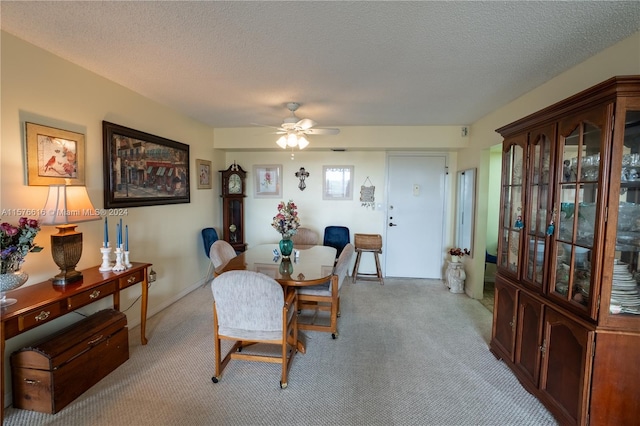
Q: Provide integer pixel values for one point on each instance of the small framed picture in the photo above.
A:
(204, 174)
(268, 181)
(337, 183)
(54, 156)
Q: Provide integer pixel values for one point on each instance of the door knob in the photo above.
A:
(392, 224)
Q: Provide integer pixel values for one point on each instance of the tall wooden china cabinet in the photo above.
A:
(567, 304)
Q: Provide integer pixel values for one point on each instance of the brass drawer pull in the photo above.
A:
(131, 279)
(31, 381)
(97, 339)
(95, 294)
(43, 315)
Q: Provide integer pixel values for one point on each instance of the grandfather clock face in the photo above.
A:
(235, 184)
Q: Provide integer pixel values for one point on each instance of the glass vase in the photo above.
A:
(286, 268)
(11, 281)
(286, 247)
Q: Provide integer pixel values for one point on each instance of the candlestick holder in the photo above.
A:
(126, 260)
(119, 266)
(106, 263)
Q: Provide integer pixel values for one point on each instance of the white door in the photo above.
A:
(415, 216)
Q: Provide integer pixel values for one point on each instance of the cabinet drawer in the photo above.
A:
(92, 295)
(40, 316)
(131, 279)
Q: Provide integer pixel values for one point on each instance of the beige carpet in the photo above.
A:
(409, 353)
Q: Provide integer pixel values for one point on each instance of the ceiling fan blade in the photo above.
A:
(321, 131)
(265, 125)
(305, 124)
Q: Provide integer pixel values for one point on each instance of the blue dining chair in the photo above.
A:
(489, 258)
(209, 236)
(337, 237)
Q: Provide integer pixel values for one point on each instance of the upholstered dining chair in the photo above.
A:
(209, 236)
(221, 252)
(251, 308)
(326, 296)
(305, 236)
(337, 237)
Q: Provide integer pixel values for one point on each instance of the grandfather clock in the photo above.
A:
(233, 188)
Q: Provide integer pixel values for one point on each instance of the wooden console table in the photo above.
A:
(40, 303)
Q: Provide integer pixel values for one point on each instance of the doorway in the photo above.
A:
(415, 215)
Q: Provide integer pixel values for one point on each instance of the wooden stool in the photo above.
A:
(371, 243)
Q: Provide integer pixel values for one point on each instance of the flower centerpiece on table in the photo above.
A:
(459, 252)
(286, 222)
(16, 242)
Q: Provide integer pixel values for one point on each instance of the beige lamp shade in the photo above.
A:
(64, 205)
(67, 204)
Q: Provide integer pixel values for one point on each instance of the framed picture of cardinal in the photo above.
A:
(54, 156)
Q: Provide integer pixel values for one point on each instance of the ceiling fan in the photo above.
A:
(305, 125)
(294, 129)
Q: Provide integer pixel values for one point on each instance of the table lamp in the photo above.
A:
(67, 204)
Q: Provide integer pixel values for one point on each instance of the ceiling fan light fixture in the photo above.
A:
(302, 142)
(294, 130)
(282, 142)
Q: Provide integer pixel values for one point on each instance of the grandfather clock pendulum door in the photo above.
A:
(233, 188)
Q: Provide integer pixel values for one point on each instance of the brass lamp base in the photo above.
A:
(66, 249)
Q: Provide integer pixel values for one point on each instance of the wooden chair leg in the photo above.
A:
(355, 267)
(378, 269)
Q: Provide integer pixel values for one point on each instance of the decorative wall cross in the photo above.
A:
(302, 174)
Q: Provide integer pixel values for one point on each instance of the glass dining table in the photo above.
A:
(313, 266)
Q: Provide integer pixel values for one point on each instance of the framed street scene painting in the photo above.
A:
(141, 169)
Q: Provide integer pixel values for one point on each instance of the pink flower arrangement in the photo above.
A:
(286, 222)
(16, 242)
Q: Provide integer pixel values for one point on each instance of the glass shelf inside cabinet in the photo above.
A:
(625, 292)
(576, 221)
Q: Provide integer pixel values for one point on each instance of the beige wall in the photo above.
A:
(315, 212)
(355, 138)
(40, 87)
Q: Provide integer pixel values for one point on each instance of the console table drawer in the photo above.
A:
(40, 316)
(92, 295)
(131, 279)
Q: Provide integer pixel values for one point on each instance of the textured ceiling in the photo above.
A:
(231, 64)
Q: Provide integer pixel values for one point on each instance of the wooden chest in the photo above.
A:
(51, 374)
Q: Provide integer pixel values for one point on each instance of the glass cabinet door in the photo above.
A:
(511, 221)
(541, 142)
(625, 296)
(576, 210)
